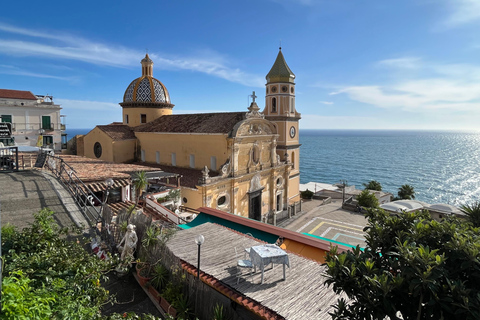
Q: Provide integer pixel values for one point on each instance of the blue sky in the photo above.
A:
(410, 64)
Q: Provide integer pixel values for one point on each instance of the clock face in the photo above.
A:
(284, 89)
(293, 131)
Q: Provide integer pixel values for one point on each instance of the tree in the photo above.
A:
(367, 199)
(140, 182)
(473, 212)
(406, 192)
(373, 185)
(413, 267)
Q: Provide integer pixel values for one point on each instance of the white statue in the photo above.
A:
(130, 244)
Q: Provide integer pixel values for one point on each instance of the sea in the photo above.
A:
(442, 166)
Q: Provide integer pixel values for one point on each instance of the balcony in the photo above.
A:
(63, 127)
(48, 127)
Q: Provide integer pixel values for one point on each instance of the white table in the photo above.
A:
(268, 253)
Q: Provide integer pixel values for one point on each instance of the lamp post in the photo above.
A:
(199, 240)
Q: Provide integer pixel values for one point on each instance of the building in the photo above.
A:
(246, 163)
(34, 120)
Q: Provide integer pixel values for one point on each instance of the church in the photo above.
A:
(245, 163)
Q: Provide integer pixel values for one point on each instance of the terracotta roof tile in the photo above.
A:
(88, 169)
(118, 131)
(17, 94)
(194, 123)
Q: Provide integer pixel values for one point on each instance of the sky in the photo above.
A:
(410, 64)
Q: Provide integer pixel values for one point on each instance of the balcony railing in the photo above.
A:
(34, 126)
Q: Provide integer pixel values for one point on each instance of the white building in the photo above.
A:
(35, 120)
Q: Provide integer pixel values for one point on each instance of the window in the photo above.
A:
(6, 118)
(192, 161)
(143, 118)
(157, 156)
(46, 124)
(143, 155)
(126, 118)
(97, 149)
(221, 201)
(255, 154)
(213, 163)
(292, 105)
(293, 160)
(47, 140)
(174, 159)
(274, 104)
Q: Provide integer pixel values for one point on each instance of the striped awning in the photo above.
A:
(102, 186)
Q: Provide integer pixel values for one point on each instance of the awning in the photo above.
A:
(102, 186)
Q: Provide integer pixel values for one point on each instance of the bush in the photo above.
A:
(307, 194)
(367, 199)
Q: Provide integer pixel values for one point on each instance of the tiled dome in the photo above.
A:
(146, 89)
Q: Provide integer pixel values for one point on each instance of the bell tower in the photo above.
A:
(280, 109)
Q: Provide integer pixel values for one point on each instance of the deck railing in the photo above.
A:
(90, 205)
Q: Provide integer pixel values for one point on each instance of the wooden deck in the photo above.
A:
(301, 296)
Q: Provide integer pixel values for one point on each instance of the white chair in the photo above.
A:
(245, 249)
(242, 264)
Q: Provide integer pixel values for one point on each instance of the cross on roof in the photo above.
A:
(253, 96)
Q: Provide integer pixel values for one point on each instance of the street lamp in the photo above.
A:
(199, 240)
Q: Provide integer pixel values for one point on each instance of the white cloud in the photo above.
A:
(326, 102)
(5, 69)
(313, 121)
(71, 47)
(403, 63)
(463, 11)
(87, 105)
(453, 88)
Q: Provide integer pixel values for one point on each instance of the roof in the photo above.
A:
(17, 94)
(118, 131)
(87, 169)
(275, 298)
(194, 123)
(189, 178)
(280, 71)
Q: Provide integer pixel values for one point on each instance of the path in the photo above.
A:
(26, 192)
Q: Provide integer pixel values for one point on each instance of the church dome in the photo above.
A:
(146, 89)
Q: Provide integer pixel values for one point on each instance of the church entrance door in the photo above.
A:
(255, 205)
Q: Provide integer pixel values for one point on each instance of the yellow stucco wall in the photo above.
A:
(124, 150)
(134, 118)
(97, 135)
(202, 146)
(294, 189)
(193, 196)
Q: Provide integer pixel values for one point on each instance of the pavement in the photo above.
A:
(23, 193)
(329, 221)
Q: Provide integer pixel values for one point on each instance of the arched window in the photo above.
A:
(293, 160)
(274, 104)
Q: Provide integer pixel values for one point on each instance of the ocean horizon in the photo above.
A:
(442, 166)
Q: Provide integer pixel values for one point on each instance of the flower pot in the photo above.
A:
(167, 307)
(144, 275)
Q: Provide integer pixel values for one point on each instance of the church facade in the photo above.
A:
(245, 163)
